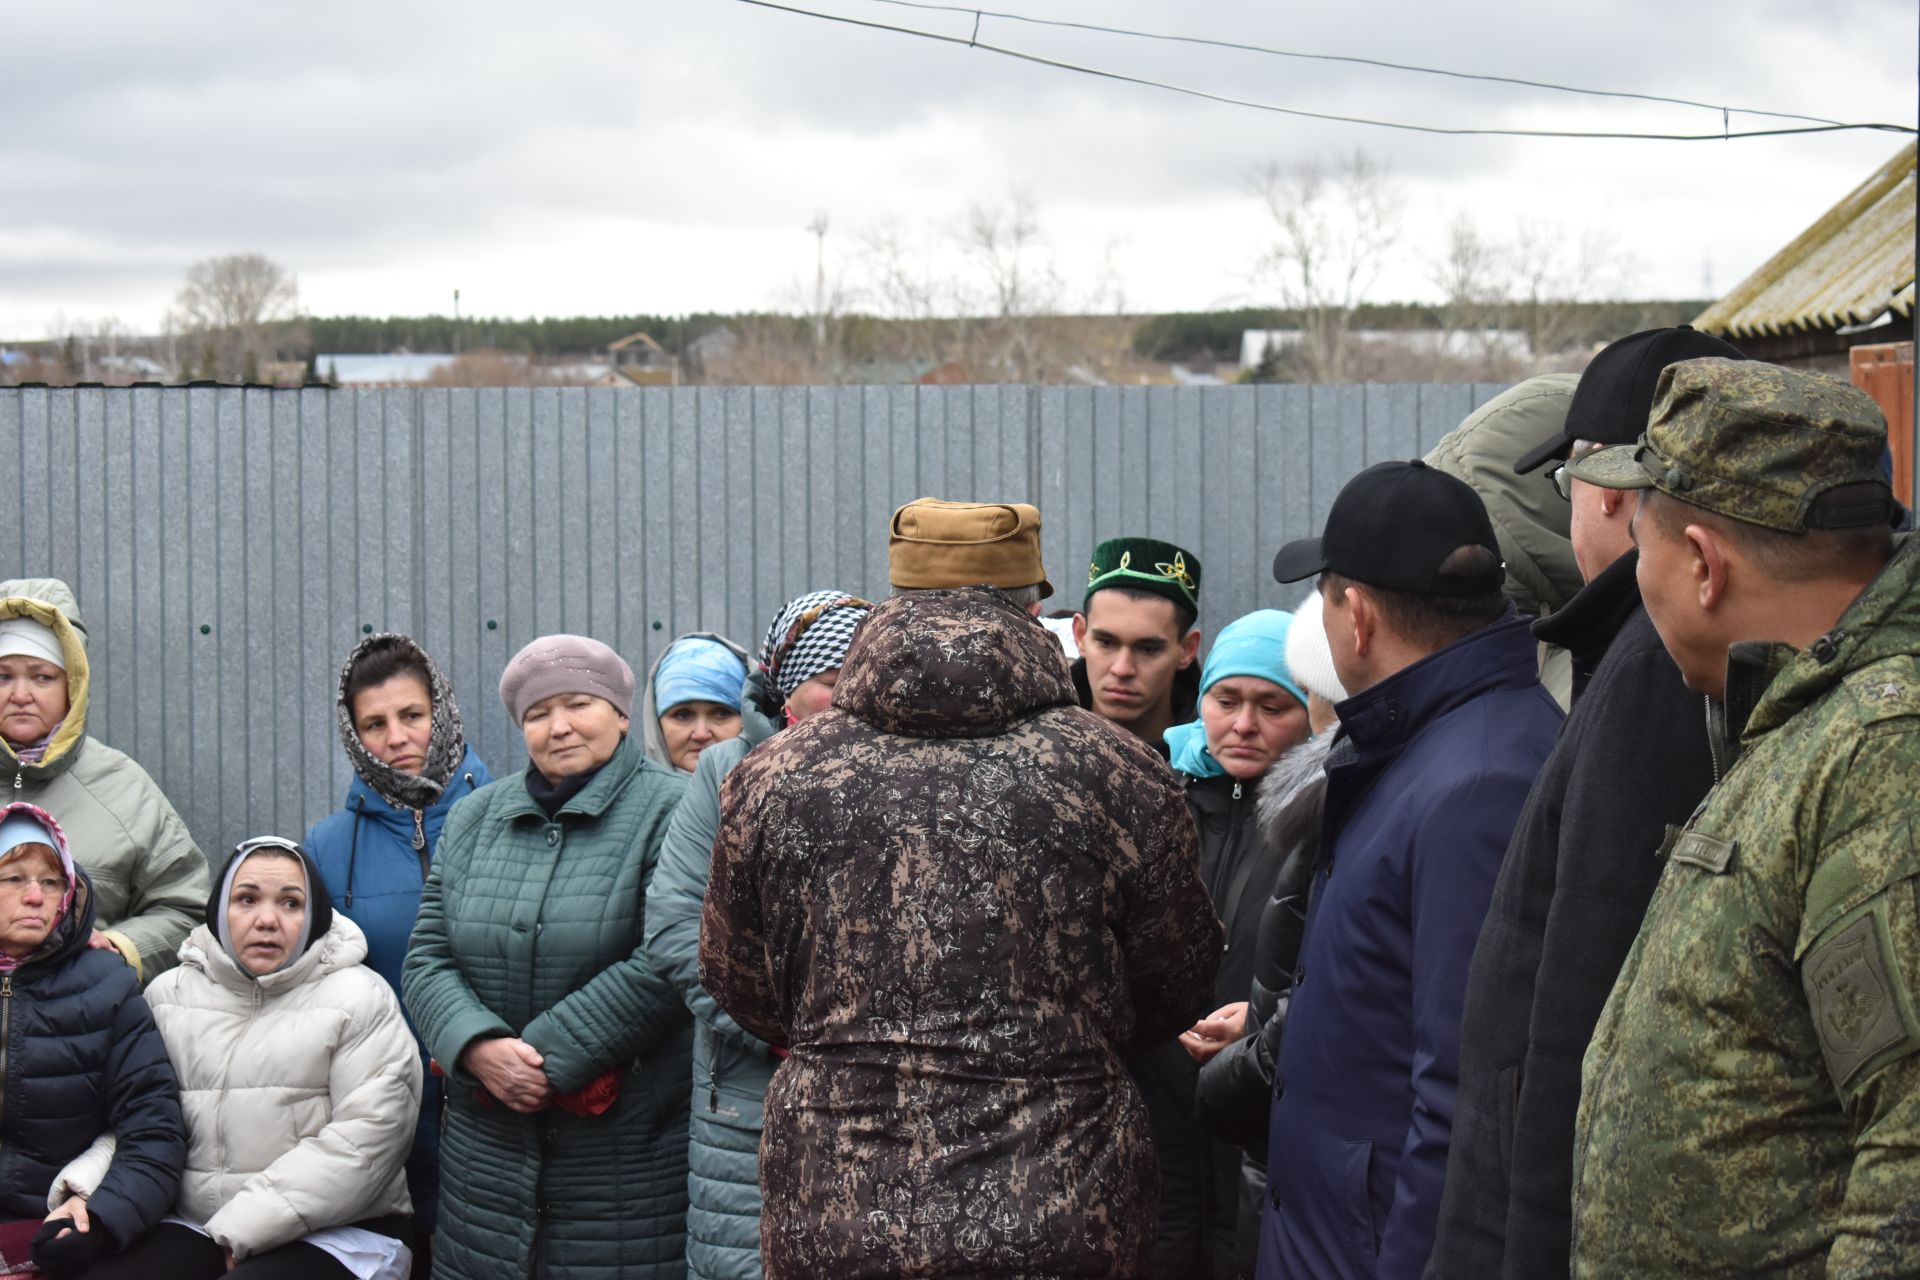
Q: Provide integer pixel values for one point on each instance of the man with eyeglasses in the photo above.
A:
(1632, 758)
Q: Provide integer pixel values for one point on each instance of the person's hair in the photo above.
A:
(274, 851)
(1183, 615)
(1434, 622)
(34, 848)
(1024, 597)
(383, 664)
(1814, 554)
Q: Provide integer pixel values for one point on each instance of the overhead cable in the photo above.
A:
(1725, 134)
(1346, 58)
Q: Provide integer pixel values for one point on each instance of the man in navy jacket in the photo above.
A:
(1439, 743)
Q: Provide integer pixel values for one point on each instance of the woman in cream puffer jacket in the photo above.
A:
(299, 1081)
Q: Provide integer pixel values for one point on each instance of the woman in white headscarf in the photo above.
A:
(300, 1085)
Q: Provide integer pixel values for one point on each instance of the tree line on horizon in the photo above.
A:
(980, 299)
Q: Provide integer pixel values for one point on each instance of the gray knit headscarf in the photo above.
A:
(446, 746)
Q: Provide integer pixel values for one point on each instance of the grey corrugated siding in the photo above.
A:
(230, 545)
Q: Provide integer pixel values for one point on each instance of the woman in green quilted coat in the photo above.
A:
(567, 1056)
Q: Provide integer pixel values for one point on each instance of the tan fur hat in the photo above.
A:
(964, 544)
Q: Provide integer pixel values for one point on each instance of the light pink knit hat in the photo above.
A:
(565, 664)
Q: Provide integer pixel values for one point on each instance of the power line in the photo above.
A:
(1348, 58)
(1726, 134)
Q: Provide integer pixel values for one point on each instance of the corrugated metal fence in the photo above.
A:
(230, 545)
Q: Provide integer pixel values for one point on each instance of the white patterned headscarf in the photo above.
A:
(810, 635)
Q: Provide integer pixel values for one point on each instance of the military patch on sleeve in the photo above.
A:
(1851, 993)
(1709, 853)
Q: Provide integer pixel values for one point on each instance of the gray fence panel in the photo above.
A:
(36, 479)
(1441, 408)
(288, 522)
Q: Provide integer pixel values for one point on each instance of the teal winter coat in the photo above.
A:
(531, 927)
(731, 1068)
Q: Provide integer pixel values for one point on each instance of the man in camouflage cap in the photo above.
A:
(1750, 1103)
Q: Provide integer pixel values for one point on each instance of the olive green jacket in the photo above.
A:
(1750, 1102)
(150, 880)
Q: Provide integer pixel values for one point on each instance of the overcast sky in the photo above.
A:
(666, 156)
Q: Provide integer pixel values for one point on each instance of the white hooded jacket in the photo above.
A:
(300, 1090)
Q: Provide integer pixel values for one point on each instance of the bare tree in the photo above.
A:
(1474, 274)
(1335, 227)
(1553, 269)
(904, 281)
(1020, 281)
(236, 307)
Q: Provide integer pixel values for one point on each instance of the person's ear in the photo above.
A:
(1189, 647)
(1080, 632)
(1708, 566)
(1611, 501)
(1363, 619)
(1033, 610)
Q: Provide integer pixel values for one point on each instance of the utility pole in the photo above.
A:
(819, 229)
(456, 322)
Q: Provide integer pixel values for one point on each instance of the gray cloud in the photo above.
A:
(366, 139)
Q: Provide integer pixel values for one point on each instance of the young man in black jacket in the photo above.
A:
(1632, 758)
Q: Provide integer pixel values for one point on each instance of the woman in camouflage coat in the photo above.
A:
(956, 896)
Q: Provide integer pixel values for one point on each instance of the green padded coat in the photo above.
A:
(532, 927)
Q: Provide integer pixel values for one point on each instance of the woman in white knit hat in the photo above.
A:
(150, 881)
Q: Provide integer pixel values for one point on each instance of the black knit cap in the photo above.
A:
(1615, 396)
(1392, 526)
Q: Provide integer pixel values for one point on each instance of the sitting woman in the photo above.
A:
(300, 1083)
(86, 1077)
(693, 699)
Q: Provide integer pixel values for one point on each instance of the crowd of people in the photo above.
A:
(1538, 896)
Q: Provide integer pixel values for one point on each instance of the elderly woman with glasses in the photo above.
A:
(91, 1129)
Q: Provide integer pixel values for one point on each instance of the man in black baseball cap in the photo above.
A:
(1633, 760)
(1393, 526)
(1439, 744)
(1615, 395)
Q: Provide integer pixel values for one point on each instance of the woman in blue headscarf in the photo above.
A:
(693, 699)
(1252, 712)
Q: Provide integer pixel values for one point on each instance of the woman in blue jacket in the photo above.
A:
(401, 728)
(91, 1108)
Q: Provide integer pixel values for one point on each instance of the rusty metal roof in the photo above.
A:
(1851, 266)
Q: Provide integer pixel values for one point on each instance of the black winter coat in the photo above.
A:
(1582, 865)
(80, 1055)
(1200, 1185)
(1235, 1094)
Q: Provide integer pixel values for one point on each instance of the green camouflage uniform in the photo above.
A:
(1751, 1096)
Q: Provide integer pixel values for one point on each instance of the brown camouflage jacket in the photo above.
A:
(1750, 1103)
(956, 896)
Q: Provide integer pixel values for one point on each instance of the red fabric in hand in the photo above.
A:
(594, 1100)
(16, 1247)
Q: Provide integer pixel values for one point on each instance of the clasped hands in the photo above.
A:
(511, 1070)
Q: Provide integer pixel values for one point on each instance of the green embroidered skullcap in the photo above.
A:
(1146, 564)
